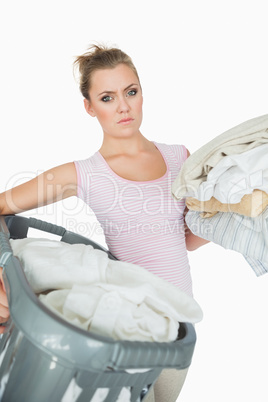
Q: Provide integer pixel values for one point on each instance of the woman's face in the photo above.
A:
(116, 100)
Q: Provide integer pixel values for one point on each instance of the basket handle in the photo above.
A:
(5, 248)
(46, 226)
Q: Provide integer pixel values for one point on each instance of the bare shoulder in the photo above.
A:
(65, 172)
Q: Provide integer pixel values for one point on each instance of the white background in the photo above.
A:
(204, 68)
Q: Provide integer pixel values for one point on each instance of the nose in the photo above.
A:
(123, 106)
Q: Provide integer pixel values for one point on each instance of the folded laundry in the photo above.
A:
(236, 175)
(112, 298)
(250, 205)
(244, 137)
(248, 236)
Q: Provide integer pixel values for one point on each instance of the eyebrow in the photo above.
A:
(112, 92)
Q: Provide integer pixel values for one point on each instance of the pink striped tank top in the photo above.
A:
(142, 222)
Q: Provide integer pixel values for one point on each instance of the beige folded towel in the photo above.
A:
(250, 205)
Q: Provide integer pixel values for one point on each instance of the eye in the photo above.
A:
(106, 98)
(132, 92)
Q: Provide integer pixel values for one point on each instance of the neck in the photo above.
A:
(124, 146)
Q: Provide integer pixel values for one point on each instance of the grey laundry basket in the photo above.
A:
(44, 358)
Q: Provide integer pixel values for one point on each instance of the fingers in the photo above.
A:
(4, 311)
(1, 277)
(3, 298)
(4, 314)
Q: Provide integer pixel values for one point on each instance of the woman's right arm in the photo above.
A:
(53, 185)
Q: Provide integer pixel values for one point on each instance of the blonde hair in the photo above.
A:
(99, 57)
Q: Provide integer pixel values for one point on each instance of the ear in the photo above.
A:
(88, 108)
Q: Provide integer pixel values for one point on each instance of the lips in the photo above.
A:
(125, 121)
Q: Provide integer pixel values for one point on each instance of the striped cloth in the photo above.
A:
(142, 222)
(248, 236)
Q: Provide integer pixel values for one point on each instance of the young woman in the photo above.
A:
(127, 183)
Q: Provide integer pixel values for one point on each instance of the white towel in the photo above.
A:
(247, 135)
(236, 175)
(109, 297)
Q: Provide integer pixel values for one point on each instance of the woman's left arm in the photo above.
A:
(192, 241)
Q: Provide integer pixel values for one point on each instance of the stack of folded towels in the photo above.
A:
(225, 184)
